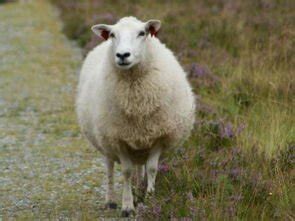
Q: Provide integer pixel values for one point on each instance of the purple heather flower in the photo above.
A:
(141, 209)
(163, 167)
(157, 210)
(226, 131)
(235, 173)
(198, 71)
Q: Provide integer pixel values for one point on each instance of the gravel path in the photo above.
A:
(47, 170)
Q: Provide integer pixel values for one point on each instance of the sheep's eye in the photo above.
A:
(142, 33)
(112, 35)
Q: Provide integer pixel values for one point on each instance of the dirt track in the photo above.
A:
(47, 170)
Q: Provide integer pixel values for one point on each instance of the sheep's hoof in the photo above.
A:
(139, 199)
(149, 195)
(111, 205)
(127, 213)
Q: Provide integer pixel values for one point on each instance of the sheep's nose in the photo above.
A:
(122, 56)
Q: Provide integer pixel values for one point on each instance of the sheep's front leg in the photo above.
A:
(110, 197)
(127, 197)
(152, 168)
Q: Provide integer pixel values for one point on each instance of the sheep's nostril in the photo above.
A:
(126, 55)
(122, 56)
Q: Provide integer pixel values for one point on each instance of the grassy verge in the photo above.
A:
(239, 163)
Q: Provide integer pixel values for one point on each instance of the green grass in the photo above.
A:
(238, 163)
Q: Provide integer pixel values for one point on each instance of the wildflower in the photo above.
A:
(157, 210)
(163, 168)
(226, 131)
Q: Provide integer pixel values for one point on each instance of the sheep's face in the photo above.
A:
(128, 39)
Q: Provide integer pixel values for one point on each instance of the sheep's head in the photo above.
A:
(128, 39)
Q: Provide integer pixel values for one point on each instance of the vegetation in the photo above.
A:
(239, 162)
(239, 56)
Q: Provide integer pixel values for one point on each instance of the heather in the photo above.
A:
(239, 58)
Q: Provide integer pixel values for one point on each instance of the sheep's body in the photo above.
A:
(131, 115)
(153, 103)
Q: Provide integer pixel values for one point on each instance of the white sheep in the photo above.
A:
(133, 102)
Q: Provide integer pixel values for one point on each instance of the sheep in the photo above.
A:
(134, 101)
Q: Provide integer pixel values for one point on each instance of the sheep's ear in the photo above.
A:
(153, 26)
(102, 31)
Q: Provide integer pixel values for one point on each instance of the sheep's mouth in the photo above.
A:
(124, 63)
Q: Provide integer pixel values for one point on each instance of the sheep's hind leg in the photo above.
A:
(127, 197)
(139, 191)
(139, 175)
(152, 168)
(110, 197)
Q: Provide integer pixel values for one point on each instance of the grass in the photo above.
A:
(238, 163)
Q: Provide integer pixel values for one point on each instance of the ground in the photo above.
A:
(47, 170)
